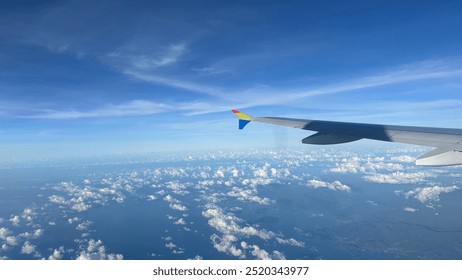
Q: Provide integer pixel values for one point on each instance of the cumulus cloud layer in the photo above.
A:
(219, 191)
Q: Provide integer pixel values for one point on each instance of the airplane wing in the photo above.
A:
(446, 141)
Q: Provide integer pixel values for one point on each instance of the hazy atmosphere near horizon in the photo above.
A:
(117, 140)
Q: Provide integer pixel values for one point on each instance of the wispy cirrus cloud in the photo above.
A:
(252, 96)
(211, 99)
(151, 47)
(150, 56)
(128, 109)
(166, 55)
(176, 83)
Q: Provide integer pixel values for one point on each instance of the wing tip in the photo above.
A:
(244, 119)
(241, 116)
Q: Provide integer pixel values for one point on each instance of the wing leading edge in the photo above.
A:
(446, 141)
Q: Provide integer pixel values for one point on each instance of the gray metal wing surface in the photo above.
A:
(446, 141)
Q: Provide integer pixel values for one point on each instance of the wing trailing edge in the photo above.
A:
(440, 157)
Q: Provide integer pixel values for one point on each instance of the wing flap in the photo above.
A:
(440, 157)
(437, 139)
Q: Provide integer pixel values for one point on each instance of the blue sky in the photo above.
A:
(84, 78)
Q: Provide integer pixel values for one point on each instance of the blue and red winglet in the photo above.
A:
(244, 119)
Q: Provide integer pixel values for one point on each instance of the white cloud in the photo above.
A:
(206, 183)
(178, 206)
(178, 252)
(81, 207)
(151, 197)
(131, 108)
(336, 185)
(274, 172)
(228, 224)
(249, 195)
(270, 96)
(352, 165)
(356, 164)
(57, 254)
(388, 166)
(404, 158)
(260, 172)
(173, 247)
(255, 182)
(181, 84)
(398, 178)
(256, 251)
(73, 220)
(317, 184)
(290, 241)
(28, 248)
(107, 191)
(84, 225)
(169, 198)
(429, 193)
(373, 203)
(119, 199)
(97, 251)
(261, 254)
(170, 245)
(165, 57)
(180, 222)
(278, 255)
(226, 244)
(28, 214)
(36, 234)
(177, 187)
(167, 238)
(82, 198)
(57, 199)
(11, 240)
(15, 220)
(410, 209)
(4, 232)
(219, 174)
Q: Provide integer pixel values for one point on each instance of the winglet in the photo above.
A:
(244, 119)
